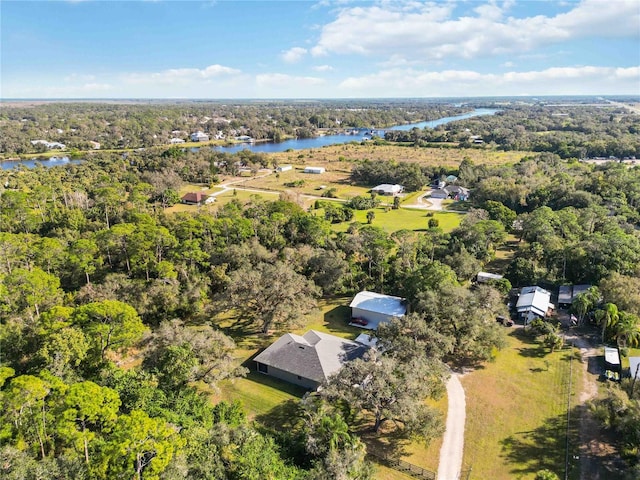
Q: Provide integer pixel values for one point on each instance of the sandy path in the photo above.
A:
(450, 464)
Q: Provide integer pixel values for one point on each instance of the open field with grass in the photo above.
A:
(516, 412)
(347, 153)
(403, 218)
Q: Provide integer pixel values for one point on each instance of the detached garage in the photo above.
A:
(369, 309)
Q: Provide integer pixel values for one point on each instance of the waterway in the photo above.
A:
(271, 147)
(31, 163)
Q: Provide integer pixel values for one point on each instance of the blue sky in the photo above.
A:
(320, 49)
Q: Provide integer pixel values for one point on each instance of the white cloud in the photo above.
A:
(181, 75)
(428, 30)
(78, 77)
(294, 54)
(284, 81)
(585, 80)
(323, 68)
(508, 64)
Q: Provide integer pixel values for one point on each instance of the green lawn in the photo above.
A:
(516, 412)
(403, 218)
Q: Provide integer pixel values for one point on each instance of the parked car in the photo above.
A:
(359, 321)
(507, 322)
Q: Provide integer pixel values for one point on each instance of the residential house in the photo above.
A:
(534, 302)
(451, 191)
(176, 141)
(195, 198)
(307, 360)
(316, 170)
(387, 189)
(369, 309)
(199, 137)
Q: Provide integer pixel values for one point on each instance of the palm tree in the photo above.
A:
(627, 331)
(608, 317)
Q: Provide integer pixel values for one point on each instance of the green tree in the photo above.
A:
(272, 295)
(87, 410)
(32, 290)
(391, 390)
(370, 216)
(110, 325)
(83, 257)
(608, 316)
(138, 447)
(182, 354)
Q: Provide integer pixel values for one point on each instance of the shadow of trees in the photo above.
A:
(544, 447)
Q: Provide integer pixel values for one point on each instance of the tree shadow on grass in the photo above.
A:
(282, 417)
(543, 448)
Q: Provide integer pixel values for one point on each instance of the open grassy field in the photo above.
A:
(345, 154)
(516, 412)
(403, 218)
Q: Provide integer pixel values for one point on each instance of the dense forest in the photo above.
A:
(115, 315)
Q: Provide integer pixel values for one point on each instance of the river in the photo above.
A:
(271, 147)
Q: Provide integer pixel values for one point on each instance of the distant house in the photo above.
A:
(534, 302)
(307, 360)
(175, 141)
(369, 309)
(451, 191)
(194, 198)
(244, 138)
(387, 189)
(568, 293)
(457, 193)
(284, 168)
(199, 137)
(94, 145)
(49, 145)
(484, 277)
(316, 170)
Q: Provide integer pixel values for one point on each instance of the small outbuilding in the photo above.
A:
(307, 360)
(568, 293)
(316, 170)
(484, 277)
(284, 168)
(370, 309)
(388, 189)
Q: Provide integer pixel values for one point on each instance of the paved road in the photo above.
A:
(452, 448)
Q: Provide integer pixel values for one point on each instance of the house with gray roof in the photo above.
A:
(370, 309)
(307, 360)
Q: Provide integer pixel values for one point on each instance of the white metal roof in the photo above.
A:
(379, 303)
(534, 299)
(611, 356)
(388, 188)
(634, 366)
(484, 276)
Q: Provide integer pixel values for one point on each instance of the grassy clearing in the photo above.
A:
(516, 412)
(403, 218)
(504, 255)
(449, 157)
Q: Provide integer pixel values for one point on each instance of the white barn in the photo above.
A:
(316, 170)
(369, 309)
(284, 168)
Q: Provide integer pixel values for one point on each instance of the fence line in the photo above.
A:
(406, 467)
